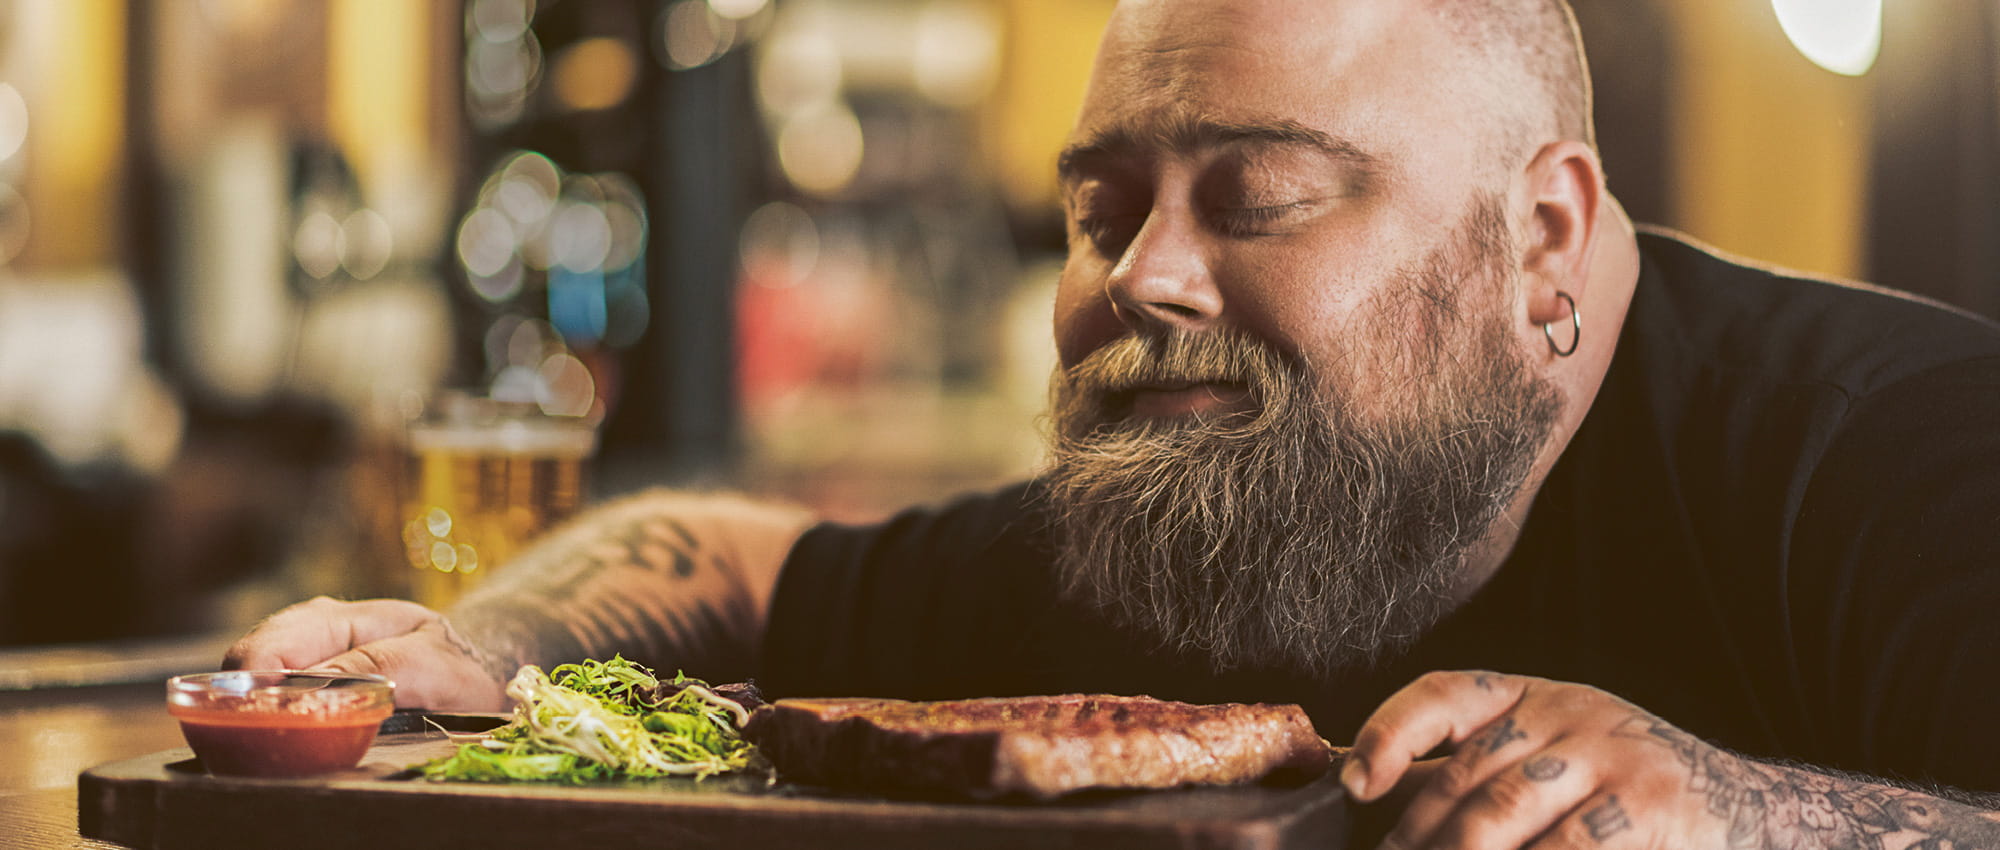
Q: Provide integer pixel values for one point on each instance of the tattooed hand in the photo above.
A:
(670, 580)
(432, 664)
(1544, 764)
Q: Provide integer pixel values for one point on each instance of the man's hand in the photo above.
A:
(432, 664)
(1544, 764)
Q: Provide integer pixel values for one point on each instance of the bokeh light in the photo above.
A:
(578, 306)
(737, 10)
(799, 68)
(625, 215)
(366, 243)
(693, 34)
(531, 342)
(820, 148)
(499, 335)
(427, 538)
(316, 244)
(504, 70)
(486, 245)
(438, 522)
(957, 52)
(780, 243)
(499, 21)
(595, 73)
(525, 189)
(504, 285)
(1842, 36)
(444, 556)
(515, 385)
(13, 121)
(579, 237)
(503, 61)
(565, 387)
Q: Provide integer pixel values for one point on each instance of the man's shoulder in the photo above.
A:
(1731, 314)
(973, 532)
(966, 518)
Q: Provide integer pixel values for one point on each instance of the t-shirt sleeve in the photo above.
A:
(922, 606)
(1896, 579)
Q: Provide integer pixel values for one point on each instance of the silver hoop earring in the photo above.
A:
(1576, 326)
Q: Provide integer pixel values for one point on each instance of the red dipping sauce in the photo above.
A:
(280, 723)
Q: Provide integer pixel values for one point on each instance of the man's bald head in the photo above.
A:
(1535, 57)
(1483, 83)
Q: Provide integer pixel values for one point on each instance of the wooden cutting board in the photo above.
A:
(166, 802)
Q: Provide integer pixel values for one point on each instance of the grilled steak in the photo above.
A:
(1038, 746)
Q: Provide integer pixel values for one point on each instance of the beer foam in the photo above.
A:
(511, 436)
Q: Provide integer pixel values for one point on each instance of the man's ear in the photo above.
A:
(1565, 186)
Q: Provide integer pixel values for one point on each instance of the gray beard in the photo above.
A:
(1296, 536)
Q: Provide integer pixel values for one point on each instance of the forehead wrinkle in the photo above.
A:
(1182, 132)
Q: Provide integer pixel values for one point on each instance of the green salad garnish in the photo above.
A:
(604, 720)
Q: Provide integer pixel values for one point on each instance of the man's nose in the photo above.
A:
(1164, 278)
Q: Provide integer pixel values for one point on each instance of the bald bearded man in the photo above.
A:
(1332, 419)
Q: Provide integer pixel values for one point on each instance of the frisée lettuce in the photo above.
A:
(604, 720)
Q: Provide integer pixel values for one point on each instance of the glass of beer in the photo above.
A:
(485, 479)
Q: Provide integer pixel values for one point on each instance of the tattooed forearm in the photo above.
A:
(1770, 807)
(665, 580)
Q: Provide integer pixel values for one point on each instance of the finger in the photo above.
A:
(1372, 823)
(429, 668)
(1601, 819)
(1436, 708)
(1414, 779)
(310, 632)
(1512, 806)
(1492, 753)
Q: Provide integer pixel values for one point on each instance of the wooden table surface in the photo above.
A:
(49, 736)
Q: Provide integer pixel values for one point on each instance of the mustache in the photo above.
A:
(1100, 386)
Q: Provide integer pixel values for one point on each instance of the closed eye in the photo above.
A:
(1110, 233)
(1255, 221)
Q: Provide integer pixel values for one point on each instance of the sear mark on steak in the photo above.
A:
(1041, 747)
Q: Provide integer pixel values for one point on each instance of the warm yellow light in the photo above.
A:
(377, 53)
(1045, 57)
(13, 121)
(596, 73)
(1842, 36)
(74, 131)
(820, 148)
(737, 10)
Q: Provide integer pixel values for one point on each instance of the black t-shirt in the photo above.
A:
(1778, 527)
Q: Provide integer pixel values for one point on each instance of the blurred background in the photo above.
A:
(800, 248)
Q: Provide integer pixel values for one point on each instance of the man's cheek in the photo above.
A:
(1084, 319)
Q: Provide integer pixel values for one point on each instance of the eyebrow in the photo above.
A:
(1187, 133)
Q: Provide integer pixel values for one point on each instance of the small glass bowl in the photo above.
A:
(279, 723)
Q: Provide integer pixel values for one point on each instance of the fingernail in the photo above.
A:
(1354, 775)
